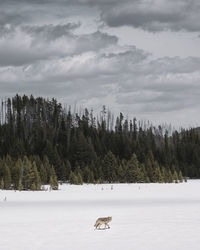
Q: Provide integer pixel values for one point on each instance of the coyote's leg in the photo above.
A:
(106, 224)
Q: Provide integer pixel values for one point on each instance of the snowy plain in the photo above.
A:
(145, 217)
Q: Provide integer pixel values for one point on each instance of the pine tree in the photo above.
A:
(148, 166)
(36, 177)
(73, 179)
(7, 177)
(121, 174)
(2, 184)
(134, 173)
(180, 176)
(43, 174)
(68, 169)
(175, 177)
(26, 173)
(79, 178)
(160, 176)
(53, 180)
(91, 177)
(109, 167)
(47, 167)
(88, 176)
(170, 180)
(20, 187)
(86, 173)
(17, 172)
(147, 180)
(84, 152)
(33, 187)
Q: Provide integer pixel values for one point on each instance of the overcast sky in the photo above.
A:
(140, 57)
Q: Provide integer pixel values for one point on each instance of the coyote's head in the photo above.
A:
(109, 218)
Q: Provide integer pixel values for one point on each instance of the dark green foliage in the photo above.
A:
(38, 135)
(43, 174)
(68, 169)
(180, 176)
(53, 179)
(175, 177)
(88, 176)
(17, 173)
(73, 179)
(30, 177)
(80, 180)
(20, 187)
(2, 184)
(109, 167)
(134, 171)
(7, 177)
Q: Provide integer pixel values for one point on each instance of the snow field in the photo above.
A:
(145, 217)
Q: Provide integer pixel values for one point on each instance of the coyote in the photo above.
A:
(101, 221)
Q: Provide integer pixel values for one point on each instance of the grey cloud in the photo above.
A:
(90, 66)
(121, 80)
(175, 86)
(155, 15)
(25, 45)
(10, 18)
(42, 51)
(50, 31)
(173, 65)
(151, 15)
(150, 101)
(95, 41)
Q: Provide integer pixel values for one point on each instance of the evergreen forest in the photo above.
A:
(43, 142)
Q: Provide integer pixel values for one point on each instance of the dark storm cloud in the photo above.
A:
(154, 15)
(51, 31)
(58, 48)
(13, 18)
(27, 44)
(126, 75)
(150, 15)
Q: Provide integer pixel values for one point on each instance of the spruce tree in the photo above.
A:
(7, 177)
(33, 187)
(73, 179)
(109, 167)
(175, 177)
(47, 167)
(68, 169)
(36, 177)
(26, 173)
(53, 180)
(2, 184)
(20, 187)
(79, 178)
(180, 176)
(17, 172)
(133, 173)
(43, 174)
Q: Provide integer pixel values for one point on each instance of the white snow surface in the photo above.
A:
(145, 216)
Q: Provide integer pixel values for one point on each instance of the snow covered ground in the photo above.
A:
(145, 216)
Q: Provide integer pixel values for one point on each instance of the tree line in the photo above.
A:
(42, 142)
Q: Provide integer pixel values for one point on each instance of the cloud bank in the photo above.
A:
(61, 49)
